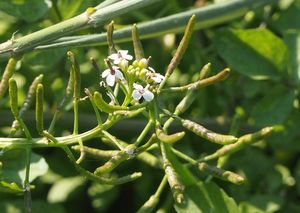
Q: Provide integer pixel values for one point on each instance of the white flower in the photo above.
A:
(111, 75)
(140, 92)
(121, 54)
(156, 77)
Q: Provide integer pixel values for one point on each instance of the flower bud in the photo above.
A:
(135, 63)
(143, 63)
(123, 64)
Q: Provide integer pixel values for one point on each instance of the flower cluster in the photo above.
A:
(137, 77)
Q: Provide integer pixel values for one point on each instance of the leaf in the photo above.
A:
(65, 189)
(102, 196)
(201, 196)
(246, 207)
(27, 10)
(292, 40)
(17, 206)
(286, 19)
(257, 53)
(14, 166)
(274, 107)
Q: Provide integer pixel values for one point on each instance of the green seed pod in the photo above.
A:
(137, 45)
(207, 134)
(110, 42)
(241, 143)
(13, 97)
(169, 138)
(149, 205)
(174, 182)
(76, 74)
(26, 104)
(182, 46)
(8, 72)
(112, 163)
(105, 107)
(221, 173)
(96, 153)
(39, 117)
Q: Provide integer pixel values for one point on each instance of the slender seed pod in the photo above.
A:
(105, 107)
(39, 117)
(26, 104)
(179, 51)
(76, 74)
(8, 72)
(208, 134)
(13, 97)
(182, 46)
(221, 173)
(112, 163)
(173, 179)
(149, 205)
(96, 153)
(241, 143)
(201, 83)
(137, 45)
(204, 71)
(169, 138)
(174, 182)
(126, 179)
(110, 41)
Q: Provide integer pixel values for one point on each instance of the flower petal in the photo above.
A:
(156, 79)
(151, 69)
(123, 52)
(113, 56)
(105, 73)
(110, 80)
(148, 96)
(119, 75)
(137, 86)
(128, 57)
(136, 95)
(117, 60)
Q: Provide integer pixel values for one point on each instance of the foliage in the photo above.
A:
(107, 138)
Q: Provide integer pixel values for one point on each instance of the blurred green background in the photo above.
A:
(262, 49)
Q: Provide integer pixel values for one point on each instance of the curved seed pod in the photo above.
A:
(221, 173)
(28, 100)
(207, 134)
(112, 163)
(241, 143)
(97, 153)
(169, 138)
(105, 107)
(182, 46)
(39, 117)
(174, 182)
(204, 71)
(13, 97)
(137, 45)
(110, 41)
(149, 205)
(76, 74)
(8, 72)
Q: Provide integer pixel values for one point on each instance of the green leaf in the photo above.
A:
(201, 196)
(17, 206)
(257, 53)
(14, 166)
(246, 207)
(102, 196)
(292, 40)
(27, 10)
(274, 107)
(65, 189)
(287, 19)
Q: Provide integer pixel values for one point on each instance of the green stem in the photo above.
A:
(92, 17)
(208, 16)
(144, 133)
